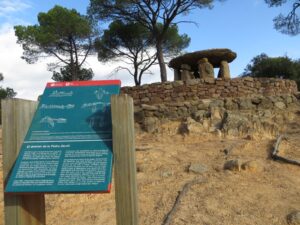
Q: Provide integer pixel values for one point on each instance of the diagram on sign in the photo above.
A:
(97, 122)
(52, 121)
(100, 93)
(94, 106)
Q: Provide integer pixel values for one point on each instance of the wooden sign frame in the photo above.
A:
(30, 209)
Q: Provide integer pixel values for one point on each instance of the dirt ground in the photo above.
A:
(261, 196)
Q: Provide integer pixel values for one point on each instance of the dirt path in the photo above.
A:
(224, 197)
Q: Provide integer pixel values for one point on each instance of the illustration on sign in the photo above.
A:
(68, 147)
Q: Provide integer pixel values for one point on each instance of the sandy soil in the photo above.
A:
(221, 197)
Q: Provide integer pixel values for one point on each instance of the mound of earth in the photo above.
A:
(253, 190)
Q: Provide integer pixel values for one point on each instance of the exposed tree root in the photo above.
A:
(275, 153)
(168, 218)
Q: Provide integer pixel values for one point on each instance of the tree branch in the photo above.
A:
(57, 56)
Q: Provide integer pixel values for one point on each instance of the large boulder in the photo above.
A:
(151, 124)
(235, 124)
(214, 56)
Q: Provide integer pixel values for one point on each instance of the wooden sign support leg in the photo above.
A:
(16, 118)
(124, 160)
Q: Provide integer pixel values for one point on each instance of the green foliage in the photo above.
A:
(120, 38)
(287, 24)
(6, 92)
(133, 42)
(280, 67)
(156, 16)
(173, 42)
(129, 42)
(65, 74)
(62, 33)
(272, 3)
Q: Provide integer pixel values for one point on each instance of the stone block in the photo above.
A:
(177, 83)
(224, 71)
(234, 165)
(149, 107)
(280, 105)
(151, 124)
(198, 168)
(145, 100)
(168, 86)
(192, 82)
(245, 104)
(205, 69)
(248, 78)
(209, 80)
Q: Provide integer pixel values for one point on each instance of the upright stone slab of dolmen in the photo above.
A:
(205, 69)
(186, 73)
(201, 64)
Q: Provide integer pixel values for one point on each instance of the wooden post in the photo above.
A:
(16, 118)
(124, 160)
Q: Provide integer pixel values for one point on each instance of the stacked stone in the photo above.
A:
(196, 89)
(178, 110)
(211, 112)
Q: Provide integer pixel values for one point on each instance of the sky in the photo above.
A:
(244, 26)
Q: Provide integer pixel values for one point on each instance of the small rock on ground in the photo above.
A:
(198, 168)
(166, 174)
(140, 168)
(234, 165)
(253, 166)
(294, 218)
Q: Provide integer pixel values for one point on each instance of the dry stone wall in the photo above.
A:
(196, 89)
(228, 107)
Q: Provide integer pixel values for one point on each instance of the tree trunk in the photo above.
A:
(73, 71)
(140, 78)
(161, 62)
(77, 70)
(136, 72)
(73, 62)
(136, 80)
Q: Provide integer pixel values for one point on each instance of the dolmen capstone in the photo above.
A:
(201, 64)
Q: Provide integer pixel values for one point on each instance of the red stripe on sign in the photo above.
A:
(109, 188)
(83, 83)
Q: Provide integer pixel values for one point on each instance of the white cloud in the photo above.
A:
(29, 80)
(10, 6)
(104, 72)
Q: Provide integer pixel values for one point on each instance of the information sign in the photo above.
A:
(68, 147)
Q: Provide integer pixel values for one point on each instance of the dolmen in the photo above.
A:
(201, 64)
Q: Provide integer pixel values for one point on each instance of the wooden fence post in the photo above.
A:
(16, 118)
(124, 160)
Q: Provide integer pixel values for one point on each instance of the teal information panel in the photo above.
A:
(68, 147)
